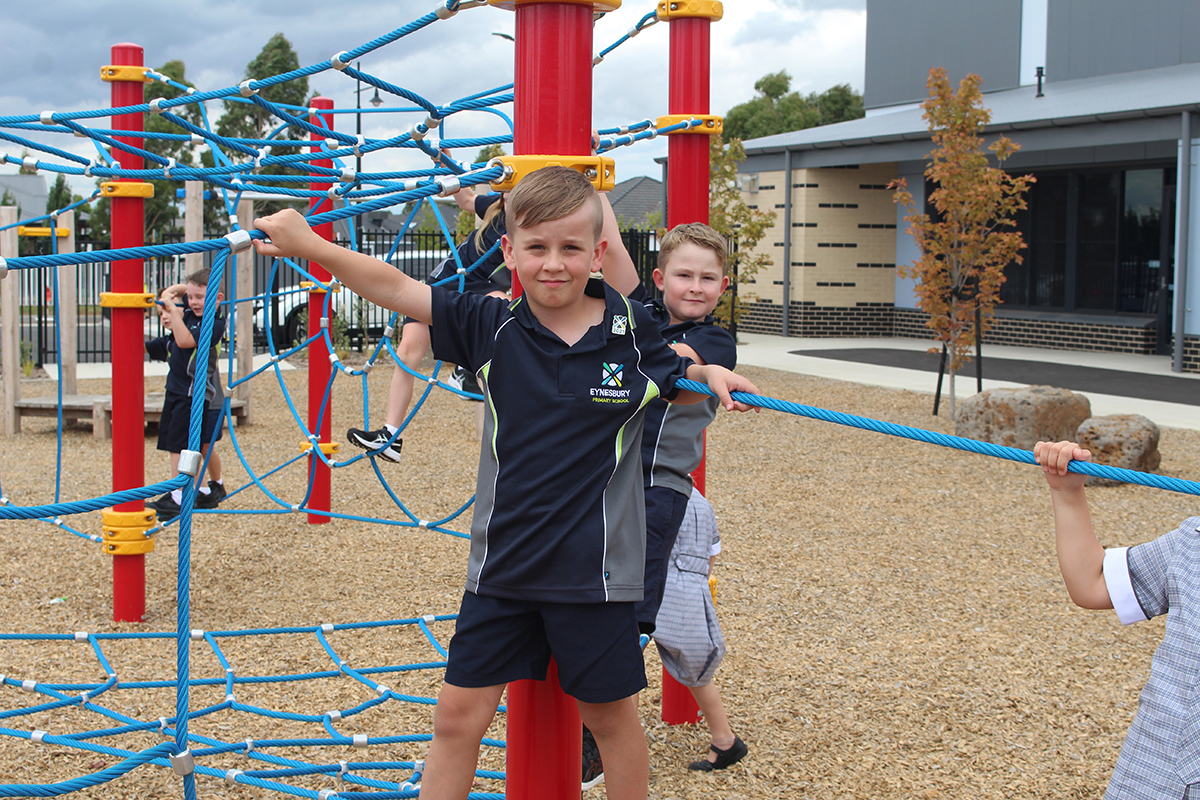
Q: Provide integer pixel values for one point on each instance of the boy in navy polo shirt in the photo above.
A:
(558, 536)
(181, 307)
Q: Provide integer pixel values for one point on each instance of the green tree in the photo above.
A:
(60, 195)
(742, 226)
(162, 210)
(777, 109)
(966, 245)
(9, 199)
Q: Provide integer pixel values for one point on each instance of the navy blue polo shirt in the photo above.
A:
(673, 442)
(181, 361)
(559, 508)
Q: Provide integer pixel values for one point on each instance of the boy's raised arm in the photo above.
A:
(370, 278)
(619, 270)
(1080, 554)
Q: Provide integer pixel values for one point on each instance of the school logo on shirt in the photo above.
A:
(611, 374)
(620, 324)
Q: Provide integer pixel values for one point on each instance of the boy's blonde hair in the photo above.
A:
(551, 193)
(696, 233)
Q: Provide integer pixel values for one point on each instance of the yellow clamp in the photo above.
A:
(679, 9)
(28, 230)
(710, 124)
(126, 189)
(597, 6)
(317, 288)
(126, 300)
(600, 170)
(111, 73)
(125, 532)
(328, 448)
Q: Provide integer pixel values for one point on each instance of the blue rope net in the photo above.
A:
(226, 663)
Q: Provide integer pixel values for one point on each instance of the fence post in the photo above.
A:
(67, 315)
(10, 319)
(193, 222)
(243, 314)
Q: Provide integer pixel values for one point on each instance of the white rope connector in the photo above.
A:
(334, 716)
(327, 794)
(162, 725)
(87, 171)
(333, 358)
(348, 174)
(197, 139)
(156, 106)
(263, 152)
(331, 143)
(461, 270)
(189, 462)
(332, 193)
(239, 241)
(429, 619)
(335, 285)
(169, 166)
(327, 628)
(295, 506)
(324, 323)
(388, 332)
(362, 140)
(81, 636)
(596, 59)
(231, 776)
(415, 132)
(230, 699)
(182, 763)
(343, 768)
(3, 274)
(408, 184)
(360, 741)
(83, 698)
(449, 183)
(244, 88)
(233, 220)
(423, 523)
(38, 737)
(29, 685)
(249, 745)
(197, 634)
(338, 61)
(432, 122)
(2, 678)
(651, 133)
(46, 117)
(29, 162)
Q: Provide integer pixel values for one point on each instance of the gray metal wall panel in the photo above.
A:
(906, 38)
(1090, 38)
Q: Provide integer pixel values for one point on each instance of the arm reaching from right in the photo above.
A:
(1080, 554)
(373, 280)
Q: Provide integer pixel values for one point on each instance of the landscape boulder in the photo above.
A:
(1021, 417)
(1129, 441)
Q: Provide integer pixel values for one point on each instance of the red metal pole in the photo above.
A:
(318, 357)
(128, 376)
(552, 113)
(687, 193)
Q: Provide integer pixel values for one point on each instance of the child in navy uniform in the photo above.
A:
(180, 309)
(558, 535)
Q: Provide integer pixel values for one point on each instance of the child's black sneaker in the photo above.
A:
(593, 767)
(468, 382)
(217, 490)
(165, 507)
(377, 443)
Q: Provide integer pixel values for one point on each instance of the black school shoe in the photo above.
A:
(165, 507)
(377, 443)
(216, 493)
(593, 767)
(725, 758)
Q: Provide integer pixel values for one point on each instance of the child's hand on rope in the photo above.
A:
(288, 234)
(1054, 458)
(723, 382)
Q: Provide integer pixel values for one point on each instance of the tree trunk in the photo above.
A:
(950, 394)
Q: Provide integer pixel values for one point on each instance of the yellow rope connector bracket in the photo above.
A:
(126, 300)
(328, 448)
(600, 170)
(125, 532)
(30, 230)
(317, 288)
(678, 9)
(597, 6)
(710, 124)
(112, 73)
(127, 189)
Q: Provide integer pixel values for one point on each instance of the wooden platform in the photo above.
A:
(97, 408)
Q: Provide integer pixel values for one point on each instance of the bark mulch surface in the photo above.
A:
(896, 623)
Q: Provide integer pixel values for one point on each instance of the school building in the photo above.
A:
(1099, 94)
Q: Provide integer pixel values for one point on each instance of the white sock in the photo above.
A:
(390, 429)
(203, 490)
(177, 495)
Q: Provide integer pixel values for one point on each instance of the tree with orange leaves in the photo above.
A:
(968, 242)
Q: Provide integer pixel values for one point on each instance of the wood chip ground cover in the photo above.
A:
(895, 619)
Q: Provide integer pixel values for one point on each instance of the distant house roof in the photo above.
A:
(30, 192)
(1141, 103)
(635, 199)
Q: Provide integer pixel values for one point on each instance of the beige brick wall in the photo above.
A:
(843, 236)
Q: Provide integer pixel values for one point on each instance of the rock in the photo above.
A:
(1021, 417)
(1129, 441)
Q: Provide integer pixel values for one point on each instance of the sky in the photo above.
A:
(55, 58)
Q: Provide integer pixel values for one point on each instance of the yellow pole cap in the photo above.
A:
(597, 6)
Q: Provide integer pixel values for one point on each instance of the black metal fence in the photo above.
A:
(279, 305)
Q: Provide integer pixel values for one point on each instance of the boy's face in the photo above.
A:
(553, 259)
(691, 282)
(195, 298)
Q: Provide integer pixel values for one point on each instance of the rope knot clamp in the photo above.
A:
(331, 143)
(418, 131)
(327, 628)
(360, 741)
(423, 523)
(334, 716)
(696, 9)
(429, 619)
(388, 332)
(29, 685)
(38, 737)
(197, 139)
(338, 61)
(196, 634)
(348, 174)
(170, 165)
(245, 90)
(46, 117)
(449, 185)
(706, 124)
(343, 768)
(239, 241)
(156, 105)
(190, 461)
(327, 794)
(182, 763)
(3, 274)
(162, 725)
(231, 776)
(324, 323)
(29, 162)
(81, 636)
(358, 144)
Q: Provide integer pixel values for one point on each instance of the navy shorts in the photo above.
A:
(173, 427)
(664, 514)
(497, 641)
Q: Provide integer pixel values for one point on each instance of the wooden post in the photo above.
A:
(243, 313)
(67, 315)
(193, 222)
(10, 316)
